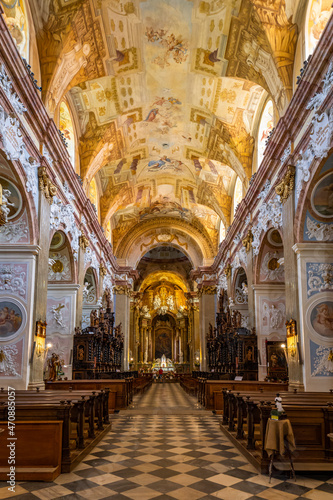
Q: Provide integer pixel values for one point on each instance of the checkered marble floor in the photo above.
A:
(169, 454)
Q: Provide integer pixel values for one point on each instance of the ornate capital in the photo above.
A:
(83, 242)
(102, 270)
(227, 270)
(121, 290)
(247, 242)
(287, 184)
(45, 185)
(207, 290)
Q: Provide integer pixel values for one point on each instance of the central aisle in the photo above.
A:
(165, 399)
(165, 447)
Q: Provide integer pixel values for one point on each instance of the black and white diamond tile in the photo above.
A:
(166, 447)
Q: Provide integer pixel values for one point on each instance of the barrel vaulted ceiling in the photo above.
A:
(164, 96)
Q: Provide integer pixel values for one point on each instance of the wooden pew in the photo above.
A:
(311, 416)
(86, 405)
(211, 386)
(189, 384)
(121, 387)
(142, 383)
(41, 462)
(68, 407)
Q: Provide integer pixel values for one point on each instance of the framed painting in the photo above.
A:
(277, 367)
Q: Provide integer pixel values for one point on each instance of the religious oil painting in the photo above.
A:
(322, 198)
(322, 318)
(163, 345)
(276, 360)
(11, 198)
(11, 318)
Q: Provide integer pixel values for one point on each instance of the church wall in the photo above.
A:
(17, 283)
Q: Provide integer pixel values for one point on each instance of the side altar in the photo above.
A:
(98, 348)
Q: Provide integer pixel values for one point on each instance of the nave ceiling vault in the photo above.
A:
(164, 95)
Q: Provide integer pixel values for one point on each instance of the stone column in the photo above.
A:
(291, 286)
(132, 344)
(285, 189)
(195, 328)
(102, 274)
(315, 284)
(207, 314)
(140, 347)
(150, 345)
(84, 243)
(250, 297)
(47, 191)
(122, 315)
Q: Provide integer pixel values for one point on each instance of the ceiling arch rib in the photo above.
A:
(188, 236)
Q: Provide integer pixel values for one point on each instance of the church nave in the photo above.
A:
(165, 447)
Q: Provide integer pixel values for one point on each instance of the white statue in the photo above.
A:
(145, 312)
(170, 302)
(57, 315)
(278, 404)
(85, 292)
(157, 302)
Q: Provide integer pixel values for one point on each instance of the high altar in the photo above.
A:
(166, 364)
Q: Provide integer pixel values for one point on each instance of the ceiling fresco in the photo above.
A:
(164, 96)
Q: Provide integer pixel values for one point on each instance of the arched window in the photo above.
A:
(67, 128)
(238, 193)
(265, 127)
(319, 12)
(16, 20)
(93, 194)
(222, 232)
(108, 231)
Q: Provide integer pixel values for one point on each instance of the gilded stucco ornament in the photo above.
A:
(45, 185)
(121, 290)
(102, 270)
(207, 290)
(287, 184)
(83, 242)
(228, 270)
(247, 241)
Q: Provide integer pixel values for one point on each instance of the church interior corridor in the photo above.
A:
(166, 249)
(163, 447)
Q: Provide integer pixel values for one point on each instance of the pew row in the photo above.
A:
(245, 417)
(121, 388)
(84, 417)
(207, 388)
(142, 383)
(189, 384)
